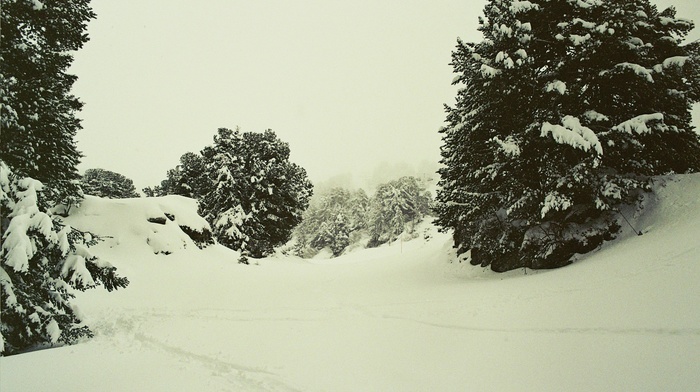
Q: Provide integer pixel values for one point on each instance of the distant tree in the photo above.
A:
(332, 222)
(567, 110)
(152, 191)
(397, 207)
(257, 196)
(108, 184)
(37, 115)
(41, 261)
(186, 179)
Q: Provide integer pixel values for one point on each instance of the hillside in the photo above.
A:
(404, 317)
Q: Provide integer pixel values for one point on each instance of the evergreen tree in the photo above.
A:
(38, 120)
(40, 261)
(108, 184)
(186, 179)
(257, 196)
(331, 222)
(567, 109)
(397, 207)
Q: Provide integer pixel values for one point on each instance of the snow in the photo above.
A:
(488, 71)
(636, 68)
(11, 298)
(53, 330)
(584, 24)
(501, 56)
(157, 238)
(556, 85)
(76, 268)
(635, 42)
(573, 134)
(592, 115)
(675, 61)
(37, 5)
(638, 124)
(555, 202)
(16, 245)
(403, 317)
(508, 146)
(586, 3)
(578, 40)
(523, 6)
(503, 30)
(680, 22)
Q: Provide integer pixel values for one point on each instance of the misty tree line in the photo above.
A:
(566, 111)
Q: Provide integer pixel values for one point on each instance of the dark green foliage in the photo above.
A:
(567, 109)
(38, 111)
(257, 196)
(186, 179)
(107, 184)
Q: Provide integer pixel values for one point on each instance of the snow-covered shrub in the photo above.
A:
(41, 262)
(396, 208)
(332, 221)
(566, 110)
(108, 184)
(257, 196)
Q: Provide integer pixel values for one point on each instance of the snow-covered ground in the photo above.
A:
(403, 317)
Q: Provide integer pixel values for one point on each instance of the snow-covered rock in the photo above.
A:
(162, 224)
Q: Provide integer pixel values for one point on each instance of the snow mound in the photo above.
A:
(158, 224)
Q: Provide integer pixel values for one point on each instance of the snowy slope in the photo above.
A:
(397, 318)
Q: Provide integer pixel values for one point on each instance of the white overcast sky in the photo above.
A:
(348, 84)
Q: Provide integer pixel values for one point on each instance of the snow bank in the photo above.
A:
(161, 224)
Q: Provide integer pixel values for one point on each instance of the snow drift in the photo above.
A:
(401, 317)
(162, 224)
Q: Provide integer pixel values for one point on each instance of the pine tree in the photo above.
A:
(397, 207)
(331, 222)
(186, 179)
(41, 261)
(108, 184)
(257, 196)
(567, 110)
(38, 122)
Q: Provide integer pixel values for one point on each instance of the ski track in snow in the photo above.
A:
(237, 375)
(131, 329)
